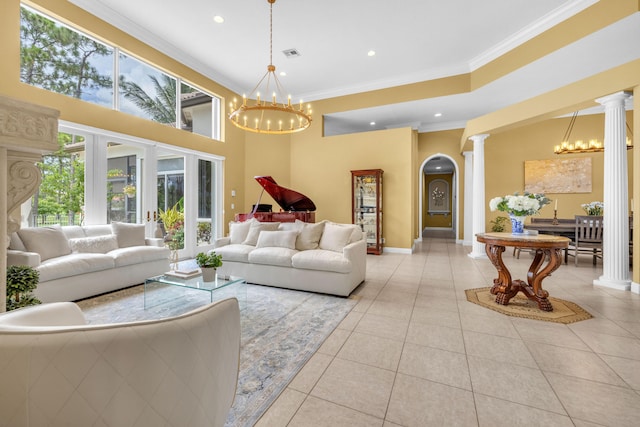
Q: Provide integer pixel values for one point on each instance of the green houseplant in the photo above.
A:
(208, 263)
(21, 281)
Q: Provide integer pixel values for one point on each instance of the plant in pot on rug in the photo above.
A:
(21, 281)
(208, 263)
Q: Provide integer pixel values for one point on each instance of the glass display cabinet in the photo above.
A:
(366, 186)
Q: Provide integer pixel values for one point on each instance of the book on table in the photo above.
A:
(184, 274)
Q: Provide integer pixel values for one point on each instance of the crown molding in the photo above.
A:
(536, 28)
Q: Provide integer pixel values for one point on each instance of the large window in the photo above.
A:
(63, 60)
(60, 197)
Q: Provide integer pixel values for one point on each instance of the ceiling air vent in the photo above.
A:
(291, 53)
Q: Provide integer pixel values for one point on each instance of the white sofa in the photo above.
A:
(77, 262)
(177, 371)
(325, 257)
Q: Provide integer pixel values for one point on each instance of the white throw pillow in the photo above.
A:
(49, 242)
(238, 231)
(277, 239)
(128, 234)
(309, 236)
(95, 245)
(335, 237)
(256, 228)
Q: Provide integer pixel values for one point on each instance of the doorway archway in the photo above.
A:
(438, 184)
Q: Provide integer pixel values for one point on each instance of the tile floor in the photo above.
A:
(414, 352)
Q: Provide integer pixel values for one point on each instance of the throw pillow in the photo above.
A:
(277, 239)
(256, 228)
(95, 245)
(49, 242)
(128, 234)
(309, 237)
(238, 231)
(335, 237)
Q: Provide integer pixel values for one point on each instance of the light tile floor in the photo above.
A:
(414, 352)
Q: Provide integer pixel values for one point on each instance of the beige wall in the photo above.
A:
(506, 152)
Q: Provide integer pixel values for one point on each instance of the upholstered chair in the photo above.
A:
(56, 370)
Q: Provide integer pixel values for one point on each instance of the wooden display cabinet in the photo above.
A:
(366, 187)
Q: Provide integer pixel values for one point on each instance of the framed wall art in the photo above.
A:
(558, 176)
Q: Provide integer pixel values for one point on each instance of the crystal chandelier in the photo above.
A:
(271, 116)
(593, 146)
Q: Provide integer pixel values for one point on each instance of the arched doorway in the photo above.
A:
(438, 186)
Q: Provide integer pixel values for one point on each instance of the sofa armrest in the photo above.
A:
(32, 259)
(221, 241)
(154, 241)
(43, 315)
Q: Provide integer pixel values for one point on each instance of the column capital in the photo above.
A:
(479, 138)
(614, 99)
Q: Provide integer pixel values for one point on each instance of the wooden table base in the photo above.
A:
(504, 287)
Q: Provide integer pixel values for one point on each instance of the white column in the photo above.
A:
(615, 247)
(478, 225)
(468, 197)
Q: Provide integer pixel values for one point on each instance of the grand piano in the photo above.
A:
(294, 205)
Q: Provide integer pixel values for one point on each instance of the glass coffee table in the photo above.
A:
(165, 288)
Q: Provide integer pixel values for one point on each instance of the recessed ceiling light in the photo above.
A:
(218, 19)
(371, 53)
(283, 73)
(437, 115)
(438, 167)
(372, 123)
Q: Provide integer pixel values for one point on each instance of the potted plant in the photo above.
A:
(208, 263)
(129, 190)
(21, 281)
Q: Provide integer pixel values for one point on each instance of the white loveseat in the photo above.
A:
(324, 257)
(77, 262)
(177, 371)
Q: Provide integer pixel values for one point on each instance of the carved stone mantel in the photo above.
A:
(26, 132)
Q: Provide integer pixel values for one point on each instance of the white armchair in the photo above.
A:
(58, 371)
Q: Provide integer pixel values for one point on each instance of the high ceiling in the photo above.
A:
(413, 40)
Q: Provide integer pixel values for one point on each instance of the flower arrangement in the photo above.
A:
(593, 208)
(519, 205)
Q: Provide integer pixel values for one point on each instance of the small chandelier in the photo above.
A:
(274, 116)
(593, 146)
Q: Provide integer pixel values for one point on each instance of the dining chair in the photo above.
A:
(588, 237)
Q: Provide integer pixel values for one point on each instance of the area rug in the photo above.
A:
(281, 330)
(521, 306)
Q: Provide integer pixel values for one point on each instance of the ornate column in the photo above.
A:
(468, 197)
(478, 195)
(615, 247)
(26, 131)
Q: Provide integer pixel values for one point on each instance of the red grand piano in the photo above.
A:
(294, 205)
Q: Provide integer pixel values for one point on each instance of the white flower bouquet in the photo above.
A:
(519, 205)
(593, 208)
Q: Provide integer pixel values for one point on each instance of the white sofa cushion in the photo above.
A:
(238, 253)
(137, 254)
(49, 242)
(73, 265)
(97, 230)
(255, 230)
(238, 231)
(128, 234)
(335, 237)
(272, 256)
(277, 239)
(73, 231)
(96, 245)
(320, 259)
(309, 236)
